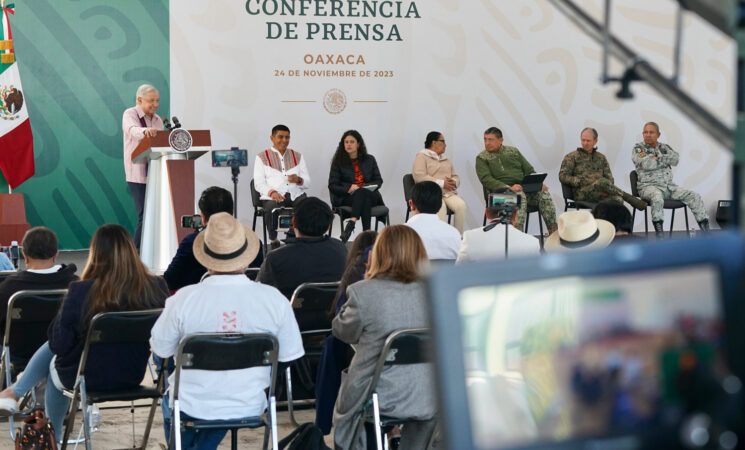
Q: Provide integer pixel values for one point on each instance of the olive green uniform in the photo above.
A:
(589, 175)
(507, 166)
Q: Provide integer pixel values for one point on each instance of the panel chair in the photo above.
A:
(530, 211)
(311, 303)
(669, 204)
(258, 211)
(380, 213)
(409, 346)
(29, 315)
(408, 185)
(570, 202)
(121, 327)
(226, 351)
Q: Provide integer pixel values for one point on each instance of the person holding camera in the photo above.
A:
(280, 177)
(501, 166)
(489, 242)
(354, 180)
(184, 268)
(312, 257)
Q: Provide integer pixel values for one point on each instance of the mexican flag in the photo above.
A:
(16, 141)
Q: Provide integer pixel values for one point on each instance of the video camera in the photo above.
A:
(283, 218)
(503, 205)
(194, 222)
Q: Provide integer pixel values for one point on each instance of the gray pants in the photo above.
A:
(656, 196)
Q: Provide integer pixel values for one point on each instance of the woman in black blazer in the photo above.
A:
(354, 181)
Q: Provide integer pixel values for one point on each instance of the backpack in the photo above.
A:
(37, 433)
(306, 436)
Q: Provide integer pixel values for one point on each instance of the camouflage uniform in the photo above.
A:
(656, 180)
(589, 176)
(505, 167)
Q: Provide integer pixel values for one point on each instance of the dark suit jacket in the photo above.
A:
(341, 177)
(185, 269)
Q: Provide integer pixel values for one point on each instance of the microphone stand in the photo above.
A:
(506, 229)
(235, 170)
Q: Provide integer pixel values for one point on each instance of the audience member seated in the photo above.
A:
(431, 164)
(313, 256)
(39, 247)
(280, 177)
(354, 180)
(336, 355)
(441, 240)
(390, 298)
(184, 268)
(579, 230)
(488, 242)
(618, 216)
(5, 263)
(227, 301)
(114, 279)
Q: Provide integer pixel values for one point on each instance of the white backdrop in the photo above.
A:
(463, 66)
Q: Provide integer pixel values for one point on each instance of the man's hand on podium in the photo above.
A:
(151, 132)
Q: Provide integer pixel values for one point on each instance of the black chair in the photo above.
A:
(380, 213)
(114, 328)
(219, 352)
(669, 204)
(410, 346)
(311, 303)
(28, 317)
(530, 210)
(408, 185)
(252, 273)
(5, 274)
(258, 211)
(570, 202)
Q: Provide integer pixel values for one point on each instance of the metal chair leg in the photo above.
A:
(290, 406)
(685, 213)
(86, 417)
(234, 439)
(672, 222)
(273, 418)
(646, 222)
(378, 428)
(70, 421)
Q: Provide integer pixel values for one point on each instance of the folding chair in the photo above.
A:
(222, 351)
(669, 204)
(29, 315)
(380, 213)
(409, 346)
(570, 202)
(408, 185)
(252, 273)
(258, 211)
(122, 327)
(311, 303)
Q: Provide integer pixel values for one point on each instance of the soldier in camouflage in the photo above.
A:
(587, 171)
(502, 167)
(654, 161)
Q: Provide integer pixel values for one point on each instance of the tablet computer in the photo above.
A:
(533, 182)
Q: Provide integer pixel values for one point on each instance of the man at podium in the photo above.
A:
(138, 122)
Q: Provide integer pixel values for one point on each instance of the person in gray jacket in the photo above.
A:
(654, 161)
(390, 298)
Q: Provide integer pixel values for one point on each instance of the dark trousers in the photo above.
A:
(138, 195)
(269, 206)
(362, 201)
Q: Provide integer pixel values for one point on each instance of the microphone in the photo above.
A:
(166, 124)
(176, 123)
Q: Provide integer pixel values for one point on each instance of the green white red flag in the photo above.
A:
(16, 140)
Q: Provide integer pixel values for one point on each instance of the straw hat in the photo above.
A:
(225, 245)
(579, 230)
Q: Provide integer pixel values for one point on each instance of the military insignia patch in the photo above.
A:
(642, 154)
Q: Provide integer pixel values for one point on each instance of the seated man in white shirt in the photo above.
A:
(280, 177)
(228, 302)
(441, 240)
(488, 242)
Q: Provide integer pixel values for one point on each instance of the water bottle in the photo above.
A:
(94, 415)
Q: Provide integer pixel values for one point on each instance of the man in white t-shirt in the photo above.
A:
(441, 240)
(227, 301)
(488, 242)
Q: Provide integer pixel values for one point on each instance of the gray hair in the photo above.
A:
(594, 131)
(143, 90)
(654, 124)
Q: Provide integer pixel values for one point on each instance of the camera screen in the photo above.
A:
(285, 222)
(230, 158)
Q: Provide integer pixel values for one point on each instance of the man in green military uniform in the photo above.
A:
(502, 167)
(587, 171)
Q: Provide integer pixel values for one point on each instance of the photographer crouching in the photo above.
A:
(184, 269)
(489, 242)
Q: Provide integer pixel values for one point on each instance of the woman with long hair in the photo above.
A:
(431, 164)
(390, 298)
(114, 279)
(354, 180)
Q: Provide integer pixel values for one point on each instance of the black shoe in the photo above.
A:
(394, 442)
(704, 225)
(658, 229)
(347, 231)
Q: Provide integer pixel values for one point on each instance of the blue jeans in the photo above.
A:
(55, 403)
(195, 439)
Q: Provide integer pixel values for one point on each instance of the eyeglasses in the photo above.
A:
(440, 140)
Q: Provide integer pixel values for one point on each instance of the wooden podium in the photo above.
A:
(169, 194)
(13, 225)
